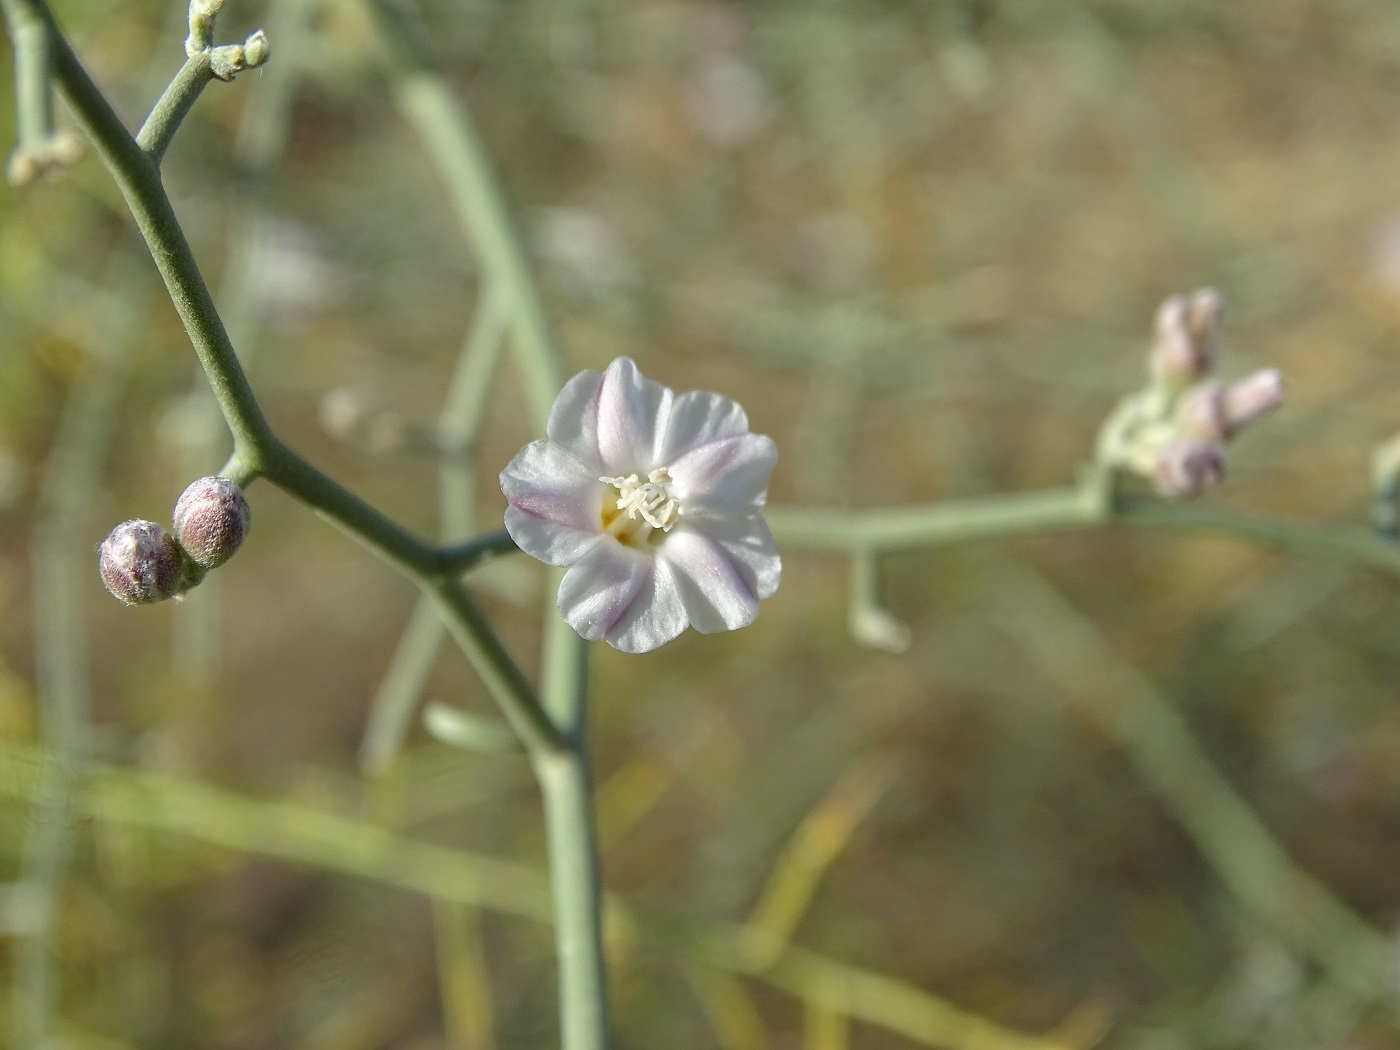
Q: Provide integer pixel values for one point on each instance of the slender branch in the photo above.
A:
(449, 135)
(257, 450)
(171, 108)
(496, 668)
(139, 181)
(184, 807)
(1244, 854)
(1050, 510)
(457, 427)
(447, 131)
(462, 557)
(571, 827)
(288, 470)
(33, 92)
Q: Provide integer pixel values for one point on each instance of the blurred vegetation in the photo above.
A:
(922, 244)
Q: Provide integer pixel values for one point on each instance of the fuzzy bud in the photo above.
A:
(1184, 349)
(1201, 412)
(140, 563)
(256, 50)
(24, 167)
(1252, 397)
(1186, 466)
(1205, 312)
(228, 61)
(211, 519)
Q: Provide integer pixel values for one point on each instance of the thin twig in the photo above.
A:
(170, 109)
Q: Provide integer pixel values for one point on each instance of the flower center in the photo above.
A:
(641, 506)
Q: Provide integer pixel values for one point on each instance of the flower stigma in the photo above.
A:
(650, 501)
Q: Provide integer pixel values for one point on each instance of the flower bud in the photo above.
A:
(1252, 397)
(24, 167)
(1201, 412)
(255, 49)
(1187, 466)
(140, 563)
(228, 61)
(1184, 348)
(211, 519)
(1204, 314)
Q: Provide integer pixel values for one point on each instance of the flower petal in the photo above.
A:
(717, 591)
(627, 597)
(631, 417)
(656, 616)
(573, 421)
(746, 540)
(556, 503)
(601, 586)
(729, 474)
(699, 417)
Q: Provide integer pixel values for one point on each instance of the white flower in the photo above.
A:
(653, 501)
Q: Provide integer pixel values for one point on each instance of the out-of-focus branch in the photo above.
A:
(362, 850)
(1246, 857)
(1065, 509)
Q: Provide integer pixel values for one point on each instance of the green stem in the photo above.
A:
(502, 677)
(990, 517)
(462, 557)
(304, 836)
(139, 181)
(257, 450)
(450, 136)
(571, 826)
(33, 93)
(178, 99)
(573, 864)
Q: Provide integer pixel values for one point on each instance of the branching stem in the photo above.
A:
(178, 99)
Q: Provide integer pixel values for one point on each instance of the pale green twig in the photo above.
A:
(33, 92)
(1240, 849)
(300, 835)
(257, 450)
(174, 104)
(1051, 510)
(449, 135)
(457, 428)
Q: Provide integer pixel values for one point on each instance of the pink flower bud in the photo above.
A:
(1252, 397)
(1204, 315)
(1186, 328)
(140, 563)
(1187, 466)
(1201, 411)
(211, 519)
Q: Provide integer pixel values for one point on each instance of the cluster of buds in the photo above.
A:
(141, 563)
(1174, 432)
(228, 60)
(54, 154)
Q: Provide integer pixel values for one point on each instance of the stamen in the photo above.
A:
(650, 500)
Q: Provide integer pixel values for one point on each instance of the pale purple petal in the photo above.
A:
(747, 541)
(729, 474)
(657, 614)
(602, 586)
(573, 421)
(631, 418)
(699, 417)
(556, 503)
(718, 591)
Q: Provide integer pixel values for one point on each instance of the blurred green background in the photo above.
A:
(922, 243)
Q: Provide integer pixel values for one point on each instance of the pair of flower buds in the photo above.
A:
(1175, 431)
(141, 563)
